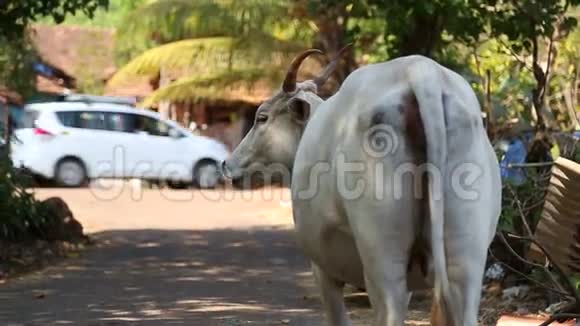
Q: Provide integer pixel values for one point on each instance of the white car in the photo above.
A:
(74, 142)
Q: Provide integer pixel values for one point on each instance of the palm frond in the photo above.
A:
(218, 86)
(171, 20)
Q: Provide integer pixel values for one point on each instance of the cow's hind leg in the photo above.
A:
(466, 256)
(465, 271)
(466, 244)
(465, 274)
(389, 299)
(332, 298)
(384, 242)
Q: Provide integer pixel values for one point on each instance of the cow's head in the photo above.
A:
(270, 146)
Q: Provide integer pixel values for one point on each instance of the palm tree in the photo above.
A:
(217, 44)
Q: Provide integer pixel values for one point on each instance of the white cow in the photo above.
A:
(362, 212)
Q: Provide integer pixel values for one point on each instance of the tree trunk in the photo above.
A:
(423, 38)
(488, 105)
(570, 94)
(7, 130)
(549, 117)
(332, 37)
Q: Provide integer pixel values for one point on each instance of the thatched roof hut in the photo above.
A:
(72, 54)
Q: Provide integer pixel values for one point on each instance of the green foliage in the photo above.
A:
(209, 38)
(172, 20)
(527, 24)
(164, 21)
(425, 27)
(468, 36)
(511, 81)
(525, 20)
(576, 281)
(110, 16)
(523, 201)
(21, 215)
(16, 53)
(564, 99)
(15, 15)
(16, 66)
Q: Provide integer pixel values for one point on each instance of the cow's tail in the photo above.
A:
(425, 81)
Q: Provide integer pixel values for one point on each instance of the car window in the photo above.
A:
(83, 119)
(27, 119)
(68, 119)
(150, 125)
(120, 122)
(92, 120)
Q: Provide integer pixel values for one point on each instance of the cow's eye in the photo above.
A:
(261, 118)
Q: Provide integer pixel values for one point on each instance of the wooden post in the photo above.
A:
(164, 106)
(186, 114)
(200, 113)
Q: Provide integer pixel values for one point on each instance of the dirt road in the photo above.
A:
(175, 258)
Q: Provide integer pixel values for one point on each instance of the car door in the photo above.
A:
(84, 135)
(125, 152)
(152, 151)
(174, 163)
(165, 152)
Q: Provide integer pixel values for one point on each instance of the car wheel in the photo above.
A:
(206, 174)
(70, 173)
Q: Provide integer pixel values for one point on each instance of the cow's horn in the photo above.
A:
(290, 80)
(329, 69)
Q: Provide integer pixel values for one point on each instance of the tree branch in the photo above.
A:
(537, 283)
(515, 55)
(513, 252)
(522, 215)
(567, 282)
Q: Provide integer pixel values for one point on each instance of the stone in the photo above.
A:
(61, 223)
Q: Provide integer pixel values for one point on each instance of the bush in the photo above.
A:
(22, 216)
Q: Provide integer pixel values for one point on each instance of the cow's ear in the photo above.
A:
(299, 109)
(303, 105)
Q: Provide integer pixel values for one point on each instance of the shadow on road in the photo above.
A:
(159, 277)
